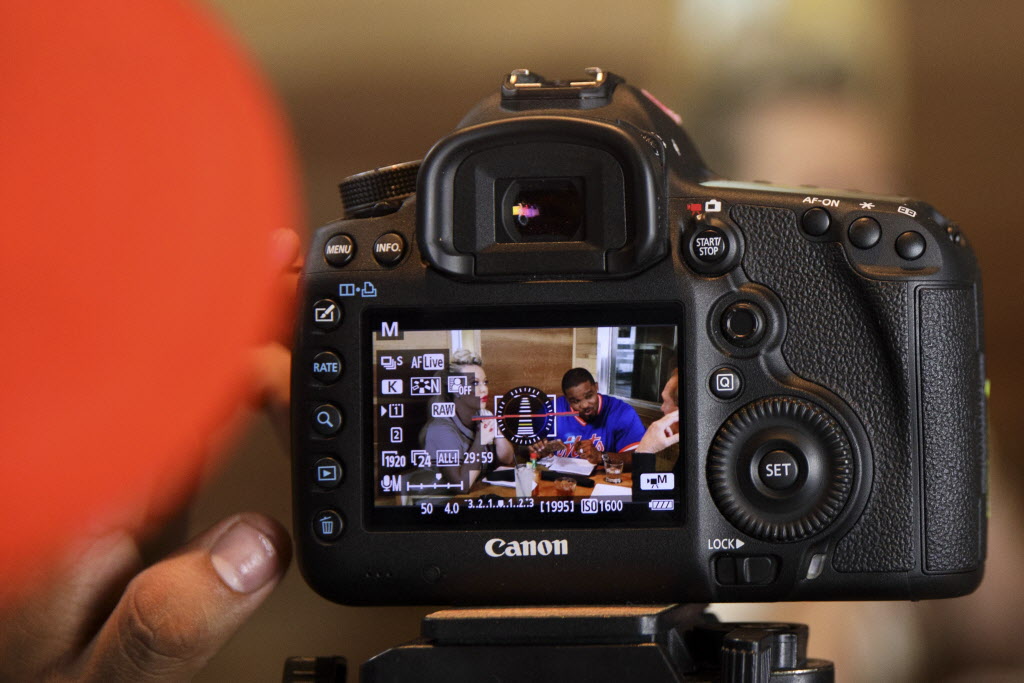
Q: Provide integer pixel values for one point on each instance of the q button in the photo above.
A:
(327, 420)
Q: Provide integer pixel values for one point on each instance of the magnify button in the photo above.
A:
(326, 420)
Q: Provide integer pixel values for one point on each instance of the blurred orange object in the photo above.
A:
(143, 168)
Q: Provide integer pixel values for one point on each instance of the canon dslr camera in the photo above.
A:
(824, 348)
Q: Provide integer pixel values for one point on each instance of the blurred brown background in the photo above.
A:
(907, 97)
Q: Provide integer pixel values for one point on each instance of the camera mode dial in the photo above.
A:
(380, 191)
(780, 469)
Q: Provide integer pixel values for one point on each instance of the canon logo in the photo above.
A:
(497, 547)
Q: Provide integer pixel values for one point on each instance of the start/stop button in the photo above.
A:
(711, 246)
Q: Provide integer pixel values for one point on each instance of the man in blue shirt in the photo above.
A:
(602, 424)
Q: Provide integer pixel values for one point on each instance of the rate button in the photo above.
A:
(326, 367)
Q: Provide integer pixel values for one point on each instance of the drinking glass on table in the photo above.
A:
(613, 469)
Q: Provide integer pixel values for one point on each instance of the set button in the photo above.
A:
(778, 470)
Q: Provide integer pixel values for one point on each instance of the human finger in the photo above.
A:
(59, 618)
(286, 259)
(271, 373)
(667, 426)
(177, 614)
(271, 362)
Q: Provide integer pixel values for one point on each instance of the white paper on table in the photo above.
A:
(506, 484)
(580, 466)
(611, 490)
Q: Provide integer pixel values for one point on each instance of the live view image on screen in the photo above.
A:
(506, 423)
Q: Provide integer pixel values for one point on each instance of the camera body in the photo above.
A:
(829, 357)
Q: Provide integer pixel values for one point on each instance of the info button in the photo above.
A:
(389, 249)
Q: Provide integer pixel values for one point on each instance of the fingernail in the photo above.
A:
(244, 558)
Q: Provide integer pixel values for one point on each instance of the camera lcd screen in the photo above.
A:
(496, 425)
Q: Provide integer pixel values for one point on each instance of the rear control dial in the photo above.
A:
(780, 469)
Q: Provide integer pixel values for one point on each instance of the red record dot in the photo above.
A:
(144, 168)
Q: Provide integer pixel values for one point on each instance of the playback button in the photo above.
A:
(327, 473)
